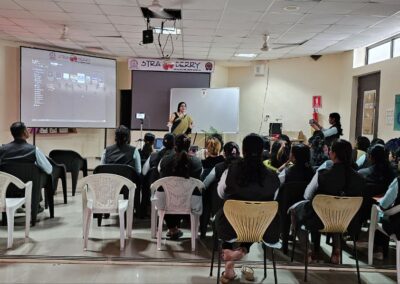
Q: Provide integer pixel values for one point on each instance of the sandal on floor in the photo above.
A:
(248, 273)
(225, 280)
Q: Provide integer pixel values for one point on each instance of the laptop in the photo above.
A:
(158, 144)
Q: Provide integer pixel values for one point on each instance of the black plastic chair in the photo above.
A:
(59, 172)
(73, 164)
(30, 172)
(125, 171)
(289, 194)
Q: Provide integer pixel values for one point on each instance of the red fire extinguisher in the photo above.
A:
(315, 114)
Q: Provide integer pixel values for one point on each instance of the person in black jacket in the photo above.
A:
(122, 152)
(179, 164)
(340, 180)
(245, 179)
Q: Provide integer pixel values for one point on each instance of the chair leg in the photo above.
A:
(274, 265)
(219, 260)
(74, 179)
(356, 257)
(160, 227)
(265, 260)
(10, 226)
(214, 248)
(306, 258)
(27, 218)
(398, 260)
(341, 243)
(122, 228)
(293, 245)
(64, 187)
(193, 230)
(87, 219)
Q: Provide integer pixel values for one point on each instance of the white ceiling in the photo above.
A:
(211, 29)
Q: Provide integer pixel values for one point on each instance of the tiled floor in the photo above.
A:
(60, 240)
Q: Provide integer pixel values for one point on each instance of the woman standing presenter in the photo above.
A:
(179, 121)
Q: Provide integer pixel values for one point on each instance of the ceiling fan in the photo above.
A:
(267, 47)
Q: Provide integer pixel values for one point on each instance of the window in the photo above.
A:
(379, 53)
(396, 47)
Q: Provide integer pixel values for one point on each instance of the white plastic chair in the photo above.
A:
(178, 195)
(374, 225)
(10, 205)
(100, 194)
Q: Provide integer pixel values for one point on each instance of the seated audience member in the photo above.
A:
(211, 201)
(202, 153)
(213, 156)
(150, 176)
(318, 150)
(155, 158)
(393, 147)
(273, 164)
(391, 224)
(377, 141)
(394, 158)
(122, 152)
(339, 180)
(245, 179)
(266, 148)
(380, 171)
(360, 150)
(147, 148)
(20, 151)
(231, 153)
(300, 169)
(169, 163)
(179, 164)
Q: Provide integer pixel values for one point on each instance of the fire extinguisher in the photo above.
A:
(315, 114)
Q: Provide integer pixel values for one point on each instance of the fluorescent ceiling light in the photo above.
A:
(167, 31)
(248, 55)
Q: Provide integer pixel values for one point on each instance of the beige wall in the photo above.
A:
(288, 90)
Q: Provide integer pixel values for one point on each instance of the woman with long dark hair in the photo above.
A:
(333, 132)
(318, 150)
(179, 164)
(245, 179)
(300, 169)
(339, 180)
(380, 171)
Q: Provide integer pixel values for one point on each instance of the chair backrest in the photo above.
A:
(69, 158)
(104, 190)
(25, 172)
(336, 212)
(290, 193)
(122, 170)
(5, 180)
(178, 192)
(250, 219)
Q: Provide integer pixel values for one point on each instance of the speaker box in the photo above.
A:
(125, 114)
(275, 128)
(147, 36)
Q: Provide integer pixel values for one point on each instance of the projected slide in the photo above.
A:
(67, 90)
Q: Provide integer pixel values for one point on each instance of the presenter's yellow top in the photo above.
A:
(182, 124)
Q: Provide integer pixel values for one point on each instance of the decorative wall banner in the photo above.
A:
(170, 65)
(397, 113)
(368, 121)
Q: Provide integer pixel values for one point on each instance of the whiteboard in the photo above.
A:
(217, 108)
